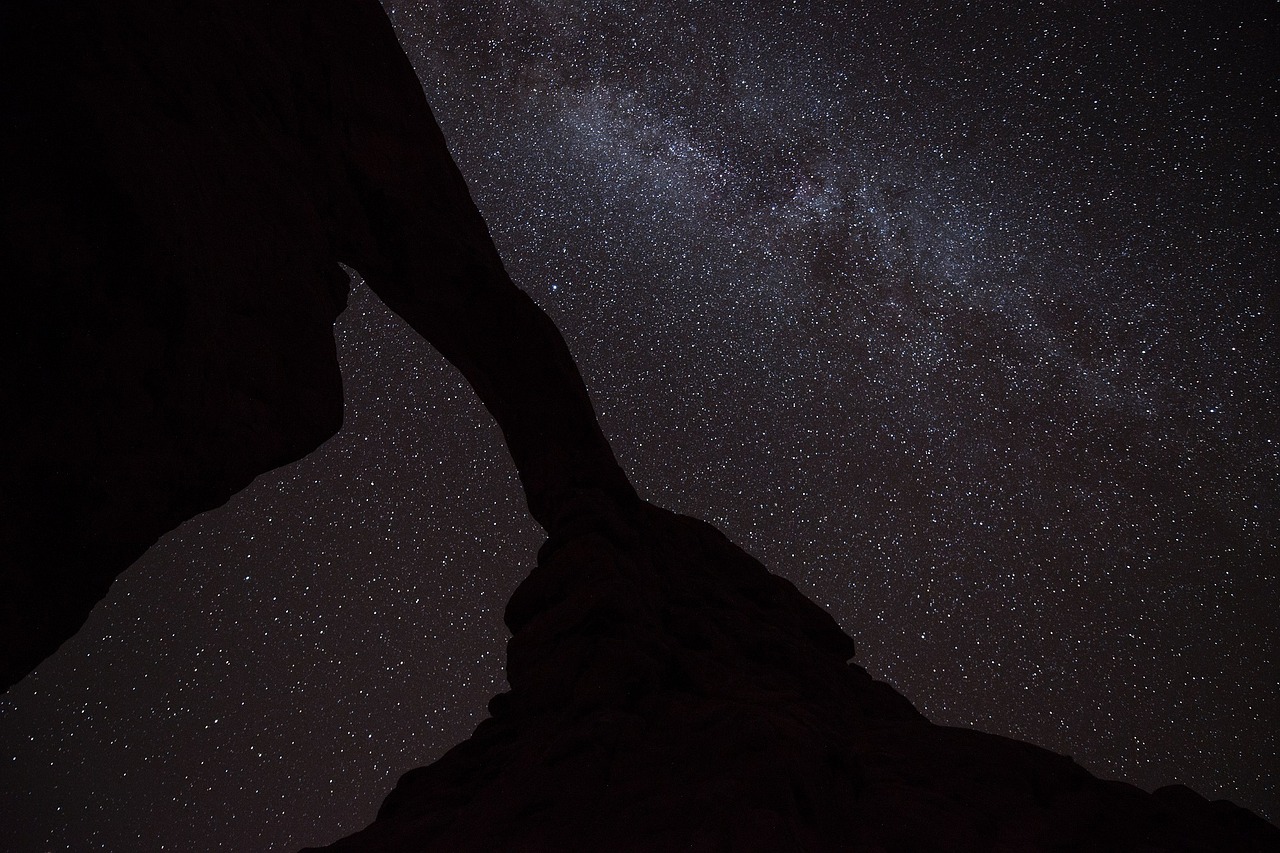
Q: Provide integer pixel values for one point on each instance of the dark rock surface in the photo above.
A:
(180, 182)
(668, 693)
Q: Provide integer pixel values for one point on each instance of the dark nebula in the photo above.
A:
(962, 320)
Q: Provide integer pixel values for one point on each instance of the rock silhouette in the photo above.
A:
(669, 693)
(181, 183)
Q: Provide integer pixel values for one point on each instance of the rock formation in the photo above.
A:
(180, 182)
(668, 693)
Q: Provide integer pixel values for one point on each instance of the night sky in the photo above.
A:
(963, 321)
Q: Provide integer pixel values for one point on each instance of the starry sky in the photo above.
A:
(961, 317)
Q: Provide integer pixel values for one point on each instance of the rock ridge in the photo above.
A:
(669, 693)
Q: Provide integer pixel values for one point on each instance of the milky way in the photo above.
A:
(961, 320)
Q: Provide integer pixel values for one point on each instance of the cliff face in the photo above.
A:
(172, 294)
(180, 183)
(668, 693)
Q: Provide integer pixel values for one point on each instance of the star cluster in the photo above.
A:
(958, 316)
